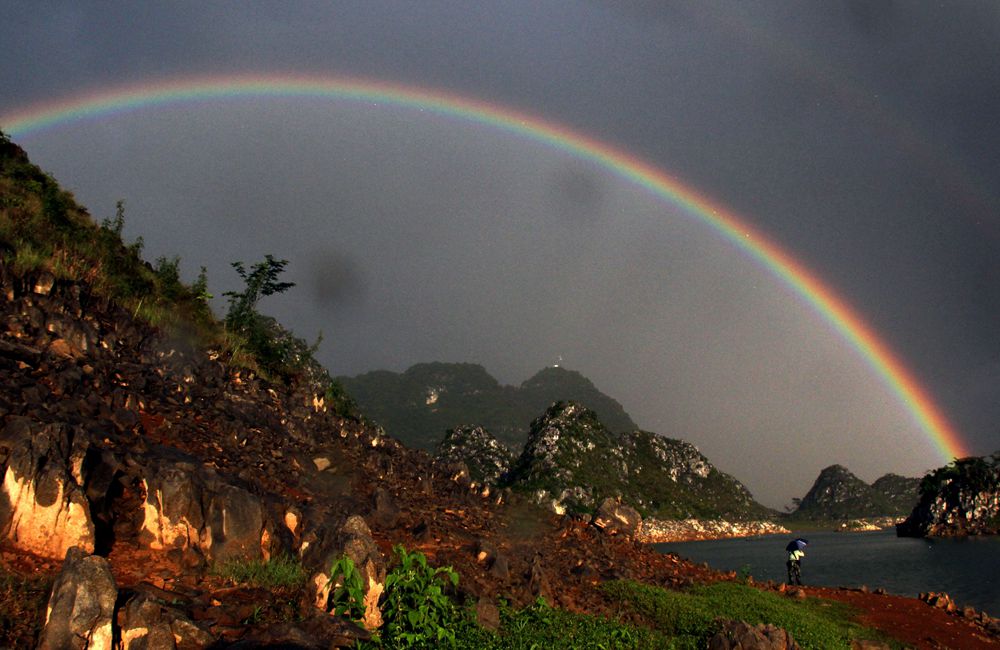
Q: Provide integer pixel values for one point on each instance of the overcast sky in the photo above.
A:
(860, 136)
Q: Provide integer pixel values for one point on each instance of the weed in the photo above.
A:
(278, 572)
(348, 594)
(417, 610)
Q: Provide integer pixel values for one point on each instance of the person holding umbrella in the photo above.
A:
(794, 563)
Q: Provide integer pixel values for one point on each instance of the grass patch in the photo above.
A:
(276, 573)
(541, 626)
(691, 617)
(22, 609)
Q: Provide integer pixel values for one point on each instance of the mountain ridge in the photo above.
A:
(420, 404)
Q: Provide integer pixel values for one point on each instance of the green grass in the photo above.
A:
(278, 572)
(540, 626)
(691, 617)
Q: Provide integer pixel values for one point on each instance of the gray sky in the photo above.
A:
(860, 136)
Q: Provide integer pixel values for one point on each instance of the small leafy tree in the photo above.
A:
(270, 343)
(262, 280)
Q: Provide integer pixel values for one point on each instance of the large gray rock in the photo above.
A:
(192, 509)
(738, 635)
(81, 605)
(43, 508)
(149, 624)
(615, 518)
(323, 546)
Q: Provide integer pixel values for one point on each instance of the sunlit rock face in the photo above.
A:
(486, 458)
(571, 461)
(43, 508)
(837, 494)
(960, 499)
(81, 606)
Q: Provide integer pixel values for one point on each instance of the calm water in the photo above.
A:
(967, 569)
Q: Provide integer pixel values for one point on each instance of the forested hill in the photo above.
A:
(419, 405)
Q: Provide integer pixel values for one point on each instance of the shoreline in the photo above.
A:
(659, 531)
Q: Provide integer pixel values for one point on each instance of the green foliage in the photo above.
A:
(168, 276)
(338, 401)
(261, 280)
(276, 350)
(348, 593)
(42, 229)
(975, 474)
(692, 617)
(278, 572)
(417, 611)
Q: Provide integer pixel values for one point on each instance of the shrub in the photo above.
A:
(417, 609)
(348, 594)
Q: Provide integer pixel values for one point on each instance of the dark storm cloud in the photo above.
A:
(577, 193)
(335, 279)
(860, 135)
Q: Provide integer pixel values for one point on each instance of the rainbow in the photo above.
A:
(833, 309)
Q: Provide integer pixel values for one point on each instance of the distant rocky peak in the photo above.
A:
(839, 494)
(557, 376)
(565, 427)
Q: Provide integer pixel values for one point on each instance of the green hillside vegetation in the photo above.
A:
(839, 495)
(578, 461)
(45, 233)
(419, 405)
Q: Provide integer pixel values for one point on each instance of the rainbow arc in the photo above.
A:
(822, 299)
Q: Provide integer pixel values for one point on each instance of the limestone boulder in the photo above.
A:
(193, 509)
(739, 635)
(615, 518)
(81, 606)
(148, 623)
(324, 545)
(43, 507)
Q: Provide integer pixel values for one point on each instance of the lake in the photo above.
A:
(968, 569)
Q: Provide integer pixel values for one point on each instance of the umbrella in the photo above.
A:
(797, 544)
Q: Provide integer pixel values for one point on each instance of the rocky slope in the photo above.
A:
(159, 463)
(474, 450)
(419, 405)
(962, 498)
(571, 461)
(837, 494)
(136, 463)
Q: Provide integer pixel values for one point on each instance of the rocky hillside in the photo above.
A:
(571, 461)
(837, 494)
(475, 450)
(140, 459)
(419, 405)
(962, 498)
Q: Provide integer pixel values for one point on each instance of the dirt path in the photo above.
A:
(911, 620)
